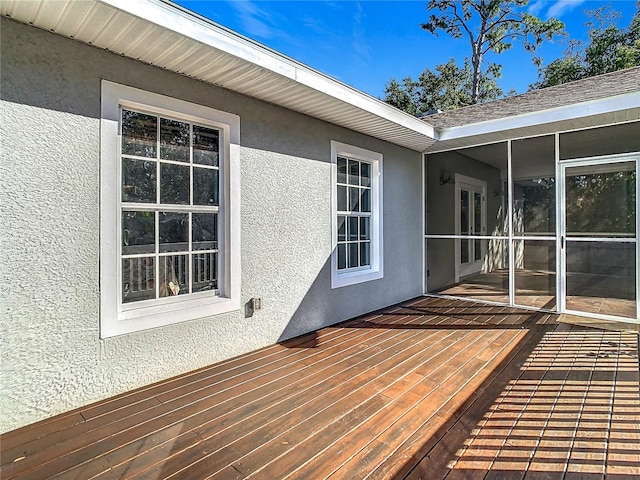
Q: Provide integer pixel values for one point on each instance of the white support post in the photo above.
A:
(560, 233)
(511, 249)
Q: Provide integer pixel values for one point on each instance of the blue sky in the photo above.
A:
(365, 43)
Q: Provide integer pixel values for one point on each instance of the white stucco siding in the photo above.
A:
(52, 359)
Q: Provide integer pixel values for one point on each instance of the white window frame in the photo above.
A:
(342, 278)
(115, 318)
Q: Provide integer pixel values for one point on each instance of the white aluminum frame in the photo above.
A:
(342, 278)
(475, 185)
(561, 167)
(559, 237)
(114, 319)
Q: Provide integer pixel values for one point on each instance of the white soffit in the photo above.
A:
(606, 111)
(165, 35)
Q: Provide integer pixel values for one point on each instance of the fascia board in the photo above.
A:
(170, 17)
(579, 110)
(353, 97)
(173, 18)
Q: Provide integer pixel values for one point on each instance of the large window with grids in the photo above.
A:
(357, 192)
(170, 203)
(168, 214)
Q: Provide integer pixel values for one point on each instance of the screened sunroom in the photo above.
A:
(548, 221)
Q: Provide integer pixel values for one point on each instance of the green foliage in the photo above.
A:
(490, 26)
(602, 203)
(608, 49)
(446, 88)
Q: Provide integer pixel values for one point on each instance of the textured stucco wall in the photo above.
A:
(52, 359)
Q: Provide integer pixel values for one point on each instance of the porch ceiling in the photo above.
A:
(163, 34)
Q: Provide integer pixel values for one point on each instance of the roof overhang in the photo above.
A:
(606, 111)
(165, 35)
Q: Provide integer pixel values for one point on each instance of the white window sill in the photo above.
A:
(345, 279)
(158, 316)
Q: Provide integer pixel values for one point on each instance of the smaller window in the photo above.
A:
(357, 223)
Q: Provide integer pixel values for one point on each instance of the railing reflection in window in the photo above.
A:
(138, 276)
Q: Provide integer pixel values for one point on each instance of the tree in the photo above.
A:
(608, 49)
(490, 26)
(446, 88)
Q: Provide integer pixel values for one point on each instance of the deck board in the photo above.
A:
(430, 388)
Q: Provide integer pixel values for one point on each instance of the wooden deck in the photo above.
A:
(431, 388)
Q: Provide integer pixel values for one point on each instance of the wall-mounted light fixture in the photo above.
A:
(445, 177)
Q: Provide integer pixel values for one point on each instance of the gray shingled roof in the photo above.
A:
(593, 88)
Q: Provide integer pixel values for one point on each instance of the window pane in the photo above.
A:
(354, 199)
(477, 250)
(477, 213)
(365, 233)
(601, 278)
(490, 282)
(342, 170)
(354, 172)
(205, 146)
(138, 181)
(173, 232)
(342, 256)
(365, 204)
(173, 275)
(364, 253)
(138, 279)
(352, 229)
(594, 142)
(353, 254)
(464, 212)
(342, 199)
(535, 273)
(205, 186)
(601, 200)
(365, 174)
(464, 251)
(205, 271)
(534, 206)
(174, 184)
(342, 229)
(138, 233)
(139, 134)
(204, 233)
(174, 140)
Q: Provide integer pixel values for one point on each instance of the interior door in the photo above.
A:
(471, 222)
(599, 238)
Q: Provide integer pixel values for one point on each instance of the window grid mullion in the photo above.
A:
(156, 258)
(156, 214)
(190, 224)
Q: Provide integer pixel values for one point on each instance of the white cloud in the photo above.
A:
(360, 44)
(254, 20)
(561, 7)
(536, 7)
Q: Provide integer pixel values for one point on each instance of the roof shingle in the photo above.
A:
(592, 88)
